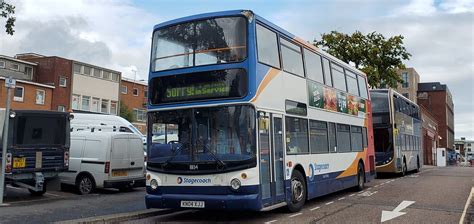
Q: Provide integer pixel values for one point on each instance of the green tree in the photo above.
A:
(375, 55)
(7, 11)
(126, 113)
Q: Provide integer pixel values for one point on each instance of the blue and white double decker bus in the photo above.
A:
(244, 115)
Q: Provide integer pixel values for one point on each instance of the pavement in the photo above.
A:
(434, 195)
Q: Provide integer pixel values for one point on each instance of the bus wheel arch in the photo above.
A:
(298, 186)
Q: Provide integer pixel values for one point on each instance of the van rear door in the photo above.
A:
(119, 157)
(136, 157)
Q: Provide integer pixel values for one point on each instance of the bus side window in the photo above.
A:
(267, 47)
(364, 137)
(356, 139)
(296, 135)
(332, 137)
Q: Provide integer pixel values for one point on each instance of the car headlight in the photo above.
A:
(235, 184)
(154, 184)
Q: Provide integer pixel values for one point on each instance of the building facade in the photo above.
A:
(437, 98)
(409, 86)
(79, 87)
(133, 95)
(28, 94)
(430, 140)
(465, 148)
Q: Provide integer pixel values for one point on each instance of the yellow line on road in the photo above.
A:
(461, 221)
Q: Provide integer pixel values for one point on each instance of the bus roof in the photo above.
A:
(264, 21)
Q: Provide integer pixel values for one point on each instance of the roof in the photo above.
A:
(432, 86)
(31, 83)
(139, 82)
(17, 60)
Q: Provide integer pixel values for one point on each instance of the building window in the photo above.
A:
(343, 138)
(104, 106)
(62, 81)
(140, 115)
(86, 103)
(2, 64)
(291, 57)
(75, 102)
(40, 94)
(124, 90)
(113, 107)
(96, 73)
(15, 67)
(267, 47)
(95, 104)
(61, 108)
(115, 77)
(135, 91)
(77, 69)
(29, 71)
(318, 137)
(87, 70)
(296, 135)
(405, 80)
(105, 75)
(18, 94)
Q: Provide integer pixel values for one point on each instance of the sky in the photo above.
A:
(117, 33)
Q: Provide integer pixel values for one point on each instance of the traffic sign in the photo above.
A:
(10, 83)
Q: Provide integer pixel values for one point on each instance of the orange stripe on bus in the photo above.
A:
(352, 169)
(271, 74)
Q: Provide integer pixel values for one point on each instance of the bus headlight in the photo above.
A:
(154, 184)
(235, 184)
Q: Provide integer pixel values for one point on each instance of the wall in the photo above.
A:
(135, 102)
(29, 97)
(48, 71)
(413, 80)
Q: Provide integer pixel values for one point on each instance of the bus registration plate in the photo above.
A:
(192, 204)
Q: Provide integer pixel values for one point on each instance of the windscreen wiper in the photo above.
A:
(178, 150)
(221, 164)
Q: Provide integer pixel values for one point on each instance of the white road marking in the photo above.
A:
(315, 208)
(352, 195)
(367, 193)
(376, 185)
(55, 195)
(461, 221)
(382, 184)
(297, 214)
(369, 188)
(388, 215)
(271, 221)
(329, 203)
(341, 198)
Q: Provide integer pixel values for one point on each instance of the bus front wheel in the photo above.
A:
(298, 191)
(360, 178)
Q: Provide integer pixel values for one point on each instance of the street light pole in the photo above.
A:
(9, 83)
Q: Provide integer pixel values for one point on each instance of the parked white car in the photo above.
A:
(105, 160)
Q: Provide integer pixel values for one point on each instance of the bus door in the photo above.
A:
(270, 132)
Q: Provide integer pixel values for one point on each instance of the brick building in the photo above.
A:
(430, 136)
(409, 86)
(79, 86)
(133, 94)
(27, 94)
(437, 98)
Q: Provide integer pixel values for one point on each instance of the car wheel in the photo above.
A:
(298, 191)
(85, 184)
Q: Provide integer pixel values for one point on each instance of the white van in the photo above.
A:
(105, 160)
(106, 122)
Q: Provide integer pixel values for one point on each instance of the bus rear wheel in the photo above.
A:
(298, 192)
(360, 178)
(404, 168)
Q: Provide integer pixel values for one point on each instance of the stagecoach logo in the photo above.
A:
(186, 180)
